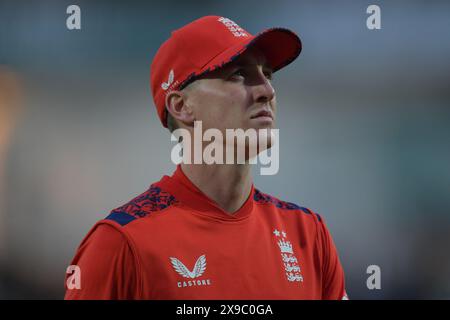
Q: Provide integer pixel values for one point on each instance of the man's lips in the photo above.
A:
(262, 114)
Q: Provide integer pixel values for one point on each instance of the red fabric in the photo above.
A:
(107, 264)
(236, 256)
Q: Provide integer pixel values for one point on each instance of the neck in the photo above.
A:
(228, 185)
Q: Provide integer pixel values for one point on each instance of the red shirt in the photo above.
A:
(173, 242)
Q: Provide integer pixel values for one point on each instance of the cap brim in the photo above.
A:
(280, 47)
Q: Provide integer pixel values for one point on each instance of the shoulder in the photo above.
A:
(266, 199)
(105, 255)
(153, 200)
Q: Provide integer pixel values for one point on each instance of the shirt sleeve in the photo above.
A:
(333, 278)
(107, 267)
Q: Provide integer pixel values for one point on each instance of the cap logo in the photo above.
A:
(233, 27)
(166, 85)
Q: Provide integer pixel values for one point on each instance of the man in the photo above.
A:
(206, 232)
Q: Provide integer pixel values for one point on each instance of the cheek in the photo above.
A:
(221, 108)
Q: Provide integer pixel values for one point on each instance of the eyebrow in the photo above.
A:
(264, 64)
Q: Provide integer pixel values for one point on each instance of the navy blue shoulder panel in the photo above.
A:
(264, 198)
(319, 217)
(154, 199)
(121, 218)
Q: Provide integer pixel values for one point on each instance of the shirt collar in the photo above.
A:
(190, 195)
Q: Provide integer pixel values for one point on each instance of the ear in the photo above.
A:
(178, 108)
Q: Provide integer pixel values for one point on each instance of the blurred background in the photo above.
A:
(364, 119)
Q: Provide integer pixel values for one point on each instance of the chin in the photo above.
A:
(261, 125)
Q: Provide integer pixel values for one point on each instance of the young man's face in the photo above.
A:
(239, 95)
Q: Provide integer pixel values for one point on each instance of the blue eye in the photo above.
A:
(239, 73)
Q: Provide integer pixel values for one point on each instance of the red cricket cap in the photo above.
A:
(209, 43)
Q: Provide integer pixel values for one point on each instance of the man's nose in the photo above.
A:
(263, 89)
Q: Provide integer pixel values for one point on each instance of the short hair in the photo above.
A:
(172, 124)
